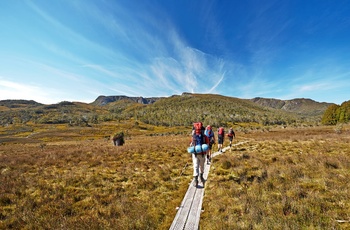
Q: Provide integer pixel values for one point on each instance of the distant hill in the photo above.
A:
(176, 110)
(13, 104)
(298, 105)
(218, 110)
(104, 100)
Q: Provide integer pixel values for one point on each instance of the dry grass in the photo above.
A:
(74, 178)
(90, 184)
(290, 179)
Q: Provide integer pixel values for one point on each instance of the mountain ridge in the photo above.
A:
(175, 110)
(104, 100)
(296, 105)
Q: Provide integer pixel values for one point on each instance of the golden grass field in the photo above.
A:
(60, 177)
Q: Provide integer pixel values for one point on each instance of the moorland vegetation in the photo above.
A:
(60, 170)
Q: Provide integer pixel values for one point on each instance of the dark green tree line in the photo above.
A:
(337, 114)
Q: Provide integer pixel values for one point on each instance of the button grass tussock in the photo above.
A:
(68, 177)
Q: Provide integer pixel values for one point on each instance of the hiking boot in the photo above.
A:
(202, 178)
(195, 181)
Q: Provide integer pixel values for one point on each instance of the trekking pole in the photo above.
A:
(183, 169)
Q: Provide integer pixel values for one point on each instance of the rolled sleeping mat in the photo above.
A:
(198, 149)
(201, 148)
(205, 147)
(190, 149)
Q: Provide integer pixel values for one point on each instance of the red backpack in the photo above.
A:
(221, 131)
(231, 133)
(198, 137)
(198, 127)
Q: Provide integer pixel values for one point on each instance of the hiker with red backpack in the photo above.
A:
(210, 134)
(221, 135)
(200, 143)
(231, 134)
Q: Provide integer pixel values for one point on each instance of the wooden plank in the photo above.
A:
(196, 210)
(185, 207)
(188, 214)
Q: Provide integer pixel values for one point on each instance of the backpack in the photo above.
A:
(231, 133)
(198, 137)
(198, 127)
(221, 131)
(209, 133)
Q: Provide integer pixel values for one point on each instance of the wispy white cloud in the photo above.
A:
(149, 53)
(319, 88)
(314, 87)
(213, 88)
(14, 90)
(258, 87)
(196, 71)
(141, 51)
(74, 37)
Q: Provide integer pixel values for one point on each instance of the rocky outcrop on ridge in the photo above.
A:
(104, 100)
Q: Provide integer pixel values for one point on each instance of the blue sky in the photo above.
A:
(76, 50)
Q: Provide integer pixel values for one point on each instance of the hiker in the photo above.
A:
(221, 135)
(198, 157)
(118, 139)
(210, 134)
(231, 134)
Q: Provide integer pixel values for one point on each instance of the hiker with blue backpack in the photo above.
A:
(198, 148)
(210, 134)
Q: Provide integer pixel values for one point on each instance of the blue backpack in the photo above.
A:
(210, 134)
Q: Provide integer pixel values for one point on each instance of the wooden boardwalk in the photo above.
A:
(188, 214)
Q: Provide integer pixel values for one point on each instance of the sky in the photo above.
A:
(77, 50)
